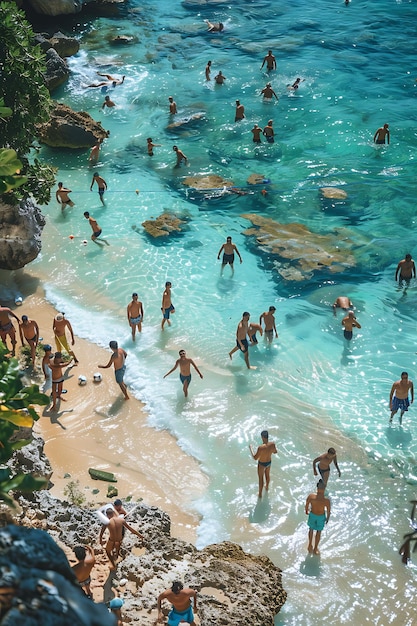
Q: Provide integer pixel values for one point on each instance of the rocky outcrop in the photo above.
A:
(64, 45)
(20, 234)
(70, 129)
(56, 7)
(57, 72)
(234, 588)
(164, 225)
(209, 181)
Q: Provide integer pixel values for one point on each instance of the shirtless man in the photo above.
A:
(240, 111)
(96, 230)
(398, 398)
(115, 528)
(208, 70)
(118, 359)
(342, 302)
(58, 326)
(172, 106)
(267, 92)
(184, 364)
(57, 378)
(318, 511)
(349, 323)
(263, 455)
(167, 307)
(252, 330)
(220, 78)
(241, 339)
(62, 196)
(108, 103)
(406, 270)
(7, 328)
(268, 132)
(295, 84)
(270, 61)
(256, 132)
(229, 250)
(95, 152)
(381, 134)
(214, 28)
(82, 569)
(150, 146)
(180, 599)
(29, 331)
(114, 81)
(180, 156)
(269, 321)
(101, 184)
(324, 461)
(135, 314)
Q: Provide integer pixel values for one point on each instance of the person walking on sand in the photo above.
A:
(229, 250)
(118, 359)
(180, 156)
(342, 302)
(29, 331)
(239, 112)
(268, 93)
(180, 598)
(135, 314)
(268, 132)
(241, 339)
(349, 323)
(264, 455)
(270, 61)
(96, 236)
(219, 78)
(208, 70)
(172, 106)
(406, 270)
(398, 398)
(62, 196)
(7, 328)
(167, 307)
(82, 569)
(256, 132)
(95, 152)
(324, 461)
(184, 364)
(57, 378)
(59, 325)
(318, 511)
(381, 134)
(101, 184)
(115, 528)
(268, 319)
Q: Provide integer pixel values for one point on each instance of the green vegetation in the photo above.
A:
(74, 494)
(24, 103)
(16, 411)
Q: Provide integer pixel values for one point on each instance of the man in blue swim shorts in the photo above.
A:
(318, 510)
(135, 314)
(167, 307)
(180, 599)
(185, 370)
(101, 184)
(118, 359)
(398, 398)
(229, 250)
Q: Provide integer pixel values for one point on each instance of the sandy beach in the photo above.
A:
(95, 427)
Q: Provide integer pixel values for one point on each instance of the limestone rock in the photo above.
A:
(256, 179)
(164, 225)
(70, 129)
(56, 7)
(30, 458)
(302, 251)
(20, 234)
(65, 46)
(210, 181)
(57, 71)
(333, 193)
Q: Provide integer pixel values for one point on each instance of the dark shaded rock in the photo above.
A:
(20, 234)
(103, 7)
(56, 7)
(57, 71)
(64, 45)
(70, 129)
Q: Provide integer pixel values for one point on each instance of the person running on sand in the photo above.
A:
(350, 322)
(208, 70)
(268, 132)
(82, 569)
(7, 328)
(270, 61)
(95, 152)
(150, 146)
(135, 314)
(108, 103)
(214, 28)
(256, 132)
(268, 93)
(29, 331)
(115, 528)
(229, 250)
(398, 398)
(62, 196)
(269, 321)
(318, 511)
(324, 461)
(96, 236)
(172, 105)
(264, 455)
(241, 339)
(118, 359)
(381, 134)
(180, 599)
(220, 78)
(180, 156)
(342, 302)
(184, 364)
(167, 307)
(239, 112)
(58, 326)
(406, 270)
(57, 378)
(101, 184)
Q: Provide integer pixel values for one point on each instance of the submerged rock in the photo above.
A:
(210, 181)
(333, 193)
(164, 225)
(70, 129)
(20, 234)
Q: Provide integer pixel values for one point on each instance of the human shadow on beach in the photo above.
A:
(113, 409)
(55, 415)
(261, 511)
(311, 566)
(398, 438)
(225, 284)
(108, 593)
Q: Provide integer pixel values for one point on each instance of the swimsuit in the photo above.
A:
(244, 342)
(253, 337)
(267, 464)
(270, 139)
(168, 311)
(59, 380)
(348, 334)
(316, 522)
(228, 258)
(400, 403)
(323, 471)
(61, 342)
(176, 617)
(136, 320)
(101, 190)
(379, 141)
(97, 233)
(185, 378)
(119, 374)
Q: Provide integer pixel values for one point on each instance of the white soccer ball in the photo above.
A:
(97, 377)
(18, 301)
(85, 242)
(82, 380)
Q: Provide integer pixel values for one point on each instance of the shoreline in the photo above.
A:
(95, 427)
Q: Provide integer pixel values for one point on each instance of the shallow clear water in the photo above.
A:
(309, 389)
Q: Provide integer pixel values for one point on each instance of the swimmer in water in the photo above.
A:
(267, 92)
(295, 84)
(381, 134)
(214, 28)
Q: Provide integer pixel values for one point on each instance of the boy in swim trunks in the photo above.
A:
(318, 511)
(135, 314)
(96, 236)
(229, 250)
(29, 331)
(180, 599)
(269, 321)
(62, 196)
(7, 328)
(241, 339)
(101, 184)
(398, 398)
(350, 322)
(185, 370)
(263, 455)
(324, 461)
(82, 569)
(118, 359)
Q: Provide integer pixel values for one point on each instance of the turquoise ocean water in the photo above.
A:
(309, 389)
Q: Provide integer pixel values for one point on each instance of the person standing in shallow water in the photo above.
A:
(118, 359)
(318, 510)
(264, 455)
(167, 307)
(229, 250)
(398, 398)
(349, 323)
(242, 339)
(324, 461)
(239, 112)
(101, 184)
(208, 70)
(270, 61)
(381, 134)
(406, 270)
(184, 363)
(135, 314)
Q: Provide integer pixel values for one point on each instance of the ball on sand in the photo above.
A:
(18, 301)
(82, 380)
(97, 377)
